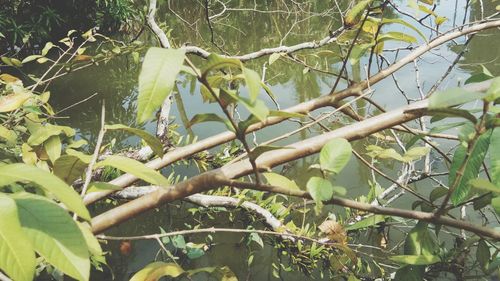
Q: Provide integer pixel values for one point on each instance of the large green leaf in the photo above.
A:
(157, 79)
(21, 172)
(156, 270)
(69, 168)
(54, 234)
(473, 165)
(210, 117)
(452, 97)
(151, 140)
(495, 156)
(17, 258)
(135, 168)
(420, 241)
(335, 155)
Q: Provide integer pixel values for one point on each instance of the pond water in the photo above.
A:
(240, 31)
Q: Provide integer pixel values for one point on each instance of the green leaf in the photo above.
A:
(485, 185)
(157, 79)
(483, 254)
(416, 153)
(495, 203)
(402, 22)
(354, 15)
(420, 241)
(154, 271)
(484, 75)
(274, 57)
(279, 180)
(92, 243)
(21, 172)
(100, 186)
(396, 36)
(215, 62)
(495, 156)
(416, 260)
(151, 140)
(493, 92)
(452, 112)
(54, 234)
(85, 158)
(410, 273)
(335, 155)
(319, 189)
(135, 168)
(13, 101)
(366, 222)
(17, 257)
(472, 167)
(53, 148)
(69, 168)
(252, 80)
(256, 152)
(8, 135)
(210, 117)
(452, 97)
(45, 132)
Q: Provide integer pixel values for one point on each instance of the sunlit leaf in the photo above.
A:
(101, 186)
(335, 155)
(135, 168)
(274, 57)
(8, 135)
(215, 62)
(279, 180)
(210, 117)
(252, 80)
(319, 189)
(157, 79)
(493, 92)
(13, 101)
(54, 234)
(354, 15)
(45, 132)
(17, 257)
(53, 148)
(21, 172)
(155, 271)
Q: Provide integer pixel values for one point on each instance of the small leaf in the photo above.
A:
(154, 271)
(335, 155)
(209, 117)
(396, 36)
(31, 58)
(354, 15)
(252, 80)
(21, 172)
(495, 156)
(274, 57)
(17, 257)
(8, 135)
(135, 168)
(279, 180)
(53, 148)
(151, 140)
(45, 132)
(157, 79)
(416, 153)
(485, 185)
(483, 254)
(366, 222)
(319, 189)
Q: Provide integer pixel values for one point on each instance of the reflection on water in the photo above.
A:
(239, 31)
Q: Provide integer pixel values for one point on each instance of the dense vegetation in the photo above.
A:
(428, 209)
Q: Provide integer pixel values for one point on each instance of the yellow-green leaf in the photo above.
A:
(154, 271)
(13, 101)
(151, 140)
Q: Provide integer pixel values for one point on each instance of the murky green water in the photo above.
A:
(239, 32)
